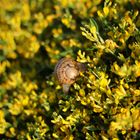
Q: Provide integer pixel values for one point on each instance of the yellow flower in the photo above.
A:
(136, 118)
(115, 139)
(106, 11)
(16, 108)
(29, 86)
(122, 71)
(82, 57)
(100, 14)
(119, 93)
(55, 135)
(57, 32)
(3, 66)
(12, 131)
(25, 10)
(123, 121)
(82, 92)
(137, 69)
(10, 46)
(3, 123)
(97, 108)
(14, 80)
(28, 45)
(25, 100)
(28, 136)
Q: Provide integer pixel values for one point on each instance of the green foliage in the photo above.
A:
(104, 101)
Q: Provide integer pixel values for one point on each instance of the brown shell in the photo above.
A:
(66, 71)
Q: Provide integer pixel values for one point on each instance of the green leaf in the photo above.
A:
(93, 23)
(3, 42)
(2, 58)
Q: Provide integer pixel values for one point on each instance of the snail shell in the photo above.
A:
(66, 71)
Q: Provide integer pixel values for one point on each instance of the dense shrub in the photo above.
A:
(104, 101)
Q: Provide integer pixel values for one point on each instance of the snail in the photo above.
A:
(66, 71)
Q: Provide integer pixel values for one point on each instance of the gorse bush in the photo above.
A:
(104, 101)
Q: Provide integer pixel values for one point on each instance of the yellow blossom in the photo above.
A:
(3, 123)
(16, 108)
(106, 11)
(3, 66)
(14, 80)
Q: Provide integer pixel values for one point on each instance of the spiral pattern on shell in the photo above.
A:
(66, 71)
